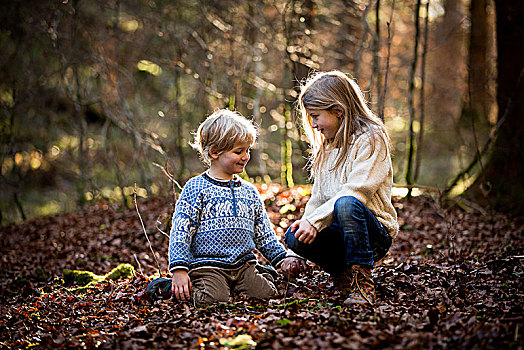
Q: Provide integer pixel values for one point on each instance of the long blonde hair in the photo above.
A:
(334, 91)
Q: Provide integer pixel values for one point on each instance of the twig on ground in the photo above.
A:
(145, 232)
(139, 265)
(285, 296)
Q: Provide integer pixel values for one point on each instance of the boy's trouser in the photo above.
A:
(356, 237)
(210, 284)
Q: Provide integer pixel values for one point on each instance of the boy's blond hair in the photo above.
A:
(223, 130)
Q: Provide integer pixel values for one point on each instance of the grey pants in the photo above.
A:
(210, 284)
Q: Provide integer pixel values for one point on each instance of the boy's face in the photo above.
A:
(226, 164)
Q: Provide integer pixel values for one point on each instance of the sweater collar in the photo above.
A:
(224, 183)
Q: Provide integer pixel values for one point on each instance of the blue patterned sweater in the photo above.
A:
(220, 223)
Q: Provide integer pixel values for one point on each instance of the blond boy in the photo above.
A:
(220, 219)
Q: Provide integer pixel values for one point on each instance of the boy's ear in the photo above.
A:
(213, 152)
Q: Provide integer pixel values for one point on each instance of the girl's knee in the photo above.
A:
(290, 240)
(348, 201)
(348, 205)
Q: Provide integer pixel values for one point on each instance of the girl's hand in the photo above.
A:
(304, 231)
(181, 285)
(292, 266)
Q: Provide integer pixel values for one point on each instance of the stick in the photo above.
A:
(139, 265)
(145, 232)
(169, 176)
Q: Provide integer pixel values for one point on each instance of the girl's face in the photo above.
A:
(225, 165)
(324, 121)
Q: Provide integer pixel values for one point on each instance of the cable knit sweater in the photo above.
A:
(365, 175)
(219, 224)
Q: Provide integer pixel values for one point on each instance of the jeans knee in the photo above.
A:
(348, 205)
(290, 239)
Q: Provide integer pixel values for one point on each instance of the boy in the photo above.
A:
(220, 219)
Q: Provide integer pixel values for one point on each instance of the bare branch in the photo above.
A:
(169, 176)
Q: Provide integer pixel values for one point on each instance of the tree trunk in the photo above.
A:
(504, 173)
(258, 165)
(420, 138)
(411, 103)
(479, 101)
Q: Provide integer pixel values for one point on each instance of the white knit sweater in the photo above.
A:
(365, 175)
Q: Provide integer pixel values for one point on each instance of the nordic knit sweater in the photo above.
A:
(219, 224)
(364, 175)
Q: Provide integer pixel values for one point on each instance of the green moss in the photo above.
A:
(81, 278)
(121, 271)
(86, 279)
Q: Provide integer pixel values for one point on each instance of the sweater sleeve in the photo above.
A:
(265, 238)
(366, 172)
(314, 201)
(183, 228)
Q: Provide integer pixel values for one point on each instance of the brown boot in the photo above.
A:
(343, 282)
(362, 287)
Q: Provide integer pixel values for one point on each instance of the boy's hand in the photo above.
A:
(304, 231)
(293, 266)
(181, 285)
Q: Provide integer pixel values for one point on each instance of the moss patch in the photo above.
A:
(86, 279)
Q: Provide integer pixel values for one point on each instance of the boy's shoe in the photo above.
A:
(160, 288)
(362, 287)
(267, 269)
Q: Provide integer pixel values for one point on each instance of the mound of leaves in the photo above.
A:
(453, 279)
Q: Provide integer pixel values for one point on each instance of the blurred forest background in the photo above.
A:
(99, 95)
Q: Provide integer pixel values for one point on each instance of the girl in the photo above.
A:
(349, 221)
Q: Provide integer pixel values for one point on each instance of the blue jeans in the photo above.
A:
(356, 237)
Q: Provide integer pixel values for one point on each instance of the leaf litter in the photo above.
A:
(453, 279)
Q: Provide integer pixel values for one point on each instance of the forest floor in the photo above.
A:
(453, 279)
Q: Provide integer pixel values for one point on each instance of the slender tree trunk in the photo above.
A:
(376, 54)
(422, 97)
(179, 124)
(287, 150)
(356, 67)
(19, 206)
(411, 103)
(79, 112)
(293, 71)
(382, 101)
(258, 166)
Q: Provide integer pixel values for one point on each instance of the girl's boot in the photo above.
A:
(344, 282)
(362, 287)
